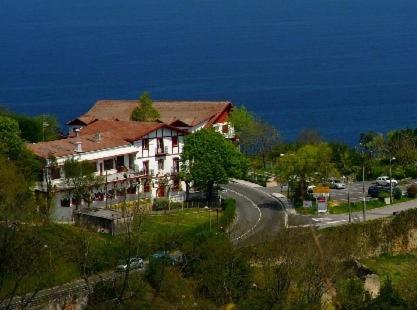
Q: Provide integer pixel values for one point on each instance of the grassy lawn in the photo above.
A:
(357, 206)
(180, 223)
(400, 268)
(60, 244)
(342, 208)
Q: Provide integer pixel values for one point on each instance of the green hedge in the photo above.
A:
(229, 212)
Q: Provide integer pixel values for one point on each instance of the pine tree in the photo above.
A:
(145, 112)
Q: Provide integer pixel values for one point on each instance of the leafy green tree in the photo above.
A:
(310, 163)
(21, 249)
(34, 128)
(310, 136)
(388, 299)
(80, 177)
(242, 121)
(256, 136)
(11, 144)
(209, 159)
(145, 112)
(402, 145)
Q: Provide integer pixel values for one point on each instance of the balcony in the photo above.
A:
(175, 170)
(161, 151)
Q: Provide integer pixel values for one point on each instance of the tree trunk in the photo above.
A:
(210, 185)
(187, 190)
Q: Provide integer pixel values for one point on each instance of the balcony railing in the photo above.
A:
(161, 151)
(175, 170)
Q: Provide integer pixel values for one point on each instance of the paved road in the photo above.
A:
(328, 220)
(257, 214)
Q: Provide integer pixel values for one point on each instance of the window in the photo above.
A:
(132, 158)
(120, 161)
(176, 165)
(109, 164)
(160, 164)
(160, 145)
(55, 173)
(146, 167)
(176, 186)
(145, 144)
(147, 187)
(174, 141)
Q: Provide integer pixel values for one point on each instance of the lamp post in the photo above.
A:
(348, 196)
(363, 192)
(361, 147)
(390, 179)
(44, 125)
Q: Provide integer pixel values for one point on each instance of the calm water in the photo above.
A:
(341, 66)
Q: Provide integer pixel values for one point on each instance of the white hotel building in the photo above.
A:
(143, 157)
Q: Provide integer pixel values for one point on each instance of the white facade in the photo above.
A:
(152, 160)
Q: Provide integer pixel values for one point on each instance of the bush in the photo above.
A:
(397, 193)
(383, 195)
(160, 204)
(412, 191)
(411, 172)
(229, 211)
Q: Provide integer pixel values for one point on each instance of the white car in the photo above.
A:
(385, 181)
(310, 189)
(337, 184)
(134, 263)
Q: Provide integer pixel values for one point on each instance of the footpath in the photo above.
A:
(328, 220)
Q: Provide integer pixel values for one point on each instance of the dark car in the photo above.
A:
(375, 190)
(163, 257)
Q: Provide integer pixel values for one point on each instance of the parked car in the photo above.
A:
(375, 190)
(385, 181)
(134, 263)
(337, 184)
(163, 257)
(310, 188)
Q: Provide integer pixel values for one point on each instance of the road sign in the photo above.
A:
(307, 204)
(322, 204)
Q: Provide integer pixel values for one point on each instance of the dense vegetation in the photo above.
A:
(299, 269)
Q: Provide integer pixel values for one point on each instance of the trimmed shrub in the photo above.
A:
(229, 212)
(397, 193)
(160, 204)
(383, 195)
(411, 172)
(412, 191)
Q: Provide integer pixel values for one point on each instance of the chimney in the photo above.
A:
(77, 132)
(78, 147)
(97, 137)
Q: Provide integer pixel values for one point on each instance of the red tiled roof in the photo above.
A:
(190, 113)
(129, 131)
(66, 147)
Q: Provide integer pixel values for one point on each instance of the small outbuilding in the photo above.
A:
(103, 220)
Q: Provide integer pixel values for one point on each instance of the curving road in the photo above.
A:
(258, 214)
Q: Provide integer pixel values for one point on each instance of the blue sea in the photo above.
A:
(340, 66)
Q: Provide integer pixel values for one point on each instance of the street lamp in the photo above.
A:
(390, 179)
(361, 147)
(348, 196)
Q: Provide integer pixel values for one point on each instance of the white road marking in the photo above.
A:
(321, 219)
(255, 206)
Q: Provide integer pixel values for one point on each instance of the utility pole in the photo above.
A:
(363, 191)
(348, 199)
(105, 187)
(390, 179)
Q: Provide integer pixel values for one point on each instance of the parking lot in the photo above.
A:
(355, 191)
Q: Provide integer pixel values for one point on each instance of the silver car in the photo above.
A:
(134, 263)
(337, 184)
